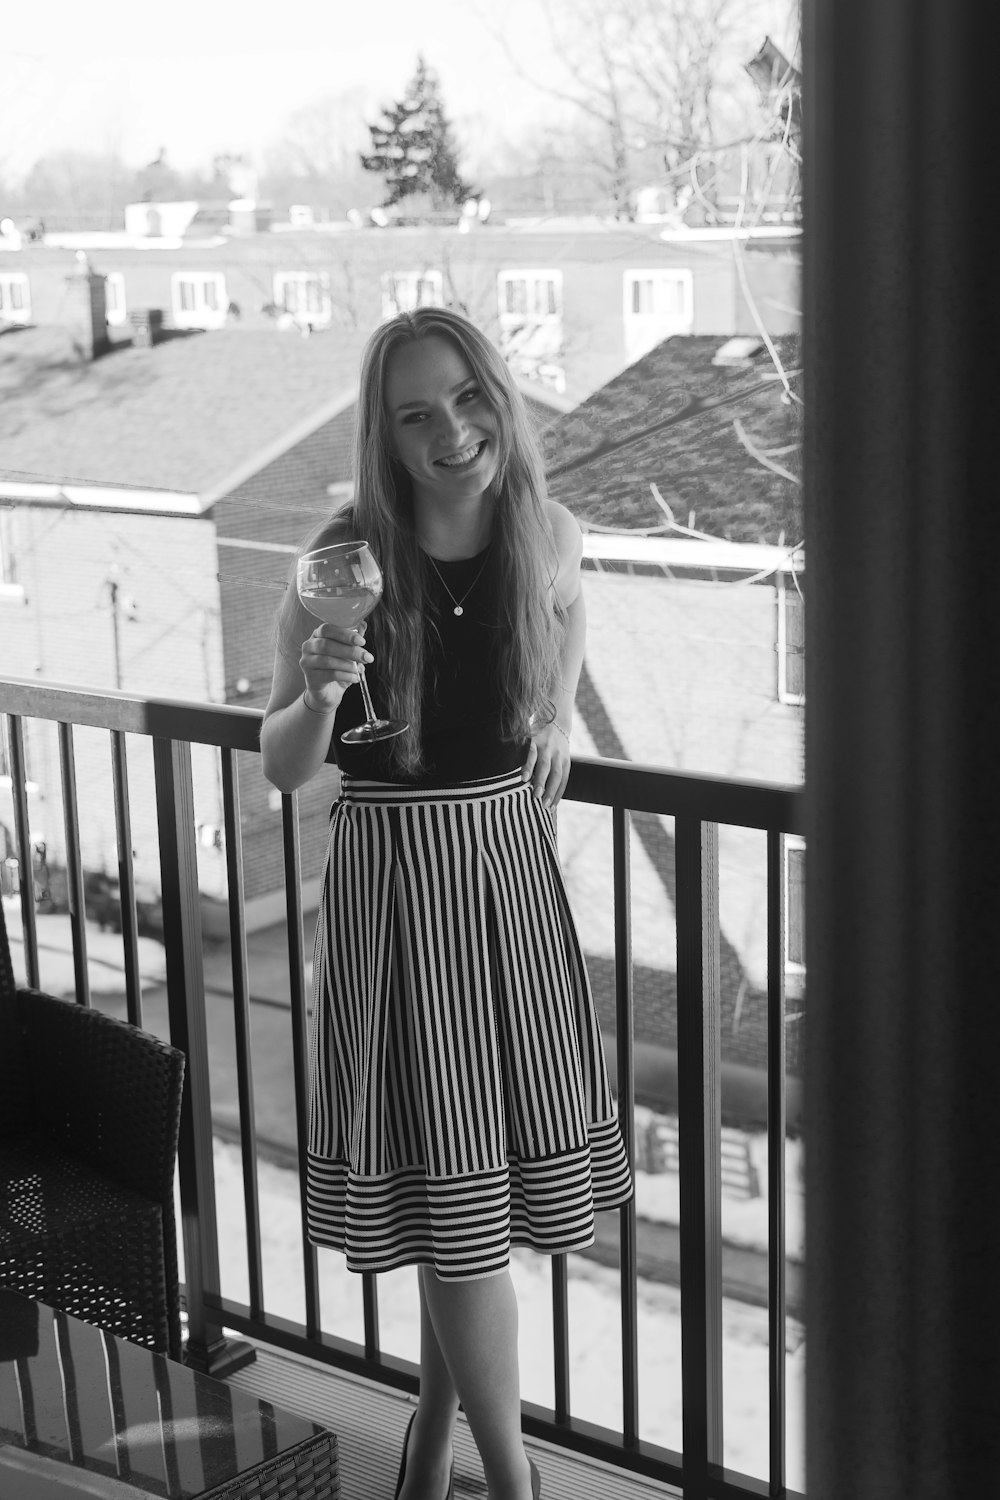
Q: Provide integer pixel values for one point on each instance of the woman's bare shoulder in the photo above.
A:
(568, 540)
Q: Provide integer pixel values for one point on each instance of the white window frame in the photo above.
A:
(114, 291)
(199, 313)
(792, 844)
(787, 594)
(531, 337)
(303, 282)
(659, 277)
(419, 289)
(533, 278)
(15, 297)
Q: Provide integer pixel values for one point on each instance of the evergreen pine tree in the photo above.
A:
(412, 146)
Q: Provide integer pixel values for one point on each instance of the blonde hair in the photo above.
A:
(524, 557)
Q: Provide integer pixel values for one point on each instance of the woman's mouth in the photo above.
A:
(461, 460)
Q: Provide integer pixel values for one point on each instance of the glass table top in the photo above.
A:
(85, 1413)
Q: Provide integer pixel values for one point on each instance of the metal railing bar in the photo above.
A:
(126, 878)
(743, 804)
(700, 1142)
(610, 783)
(26, 874)
(158, 718)
(625, 1057)
(175, 815)
(232, 824)
(327, 1348)
(776, 1126)
(292, 862)
(369, 1302)
(74, 865)
(70, 1391)
(560, 1337)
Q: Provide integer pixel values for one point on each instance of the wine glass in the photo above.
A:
(341, 585)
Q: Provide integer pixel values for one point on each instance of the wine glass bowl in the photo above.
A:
(341, 585)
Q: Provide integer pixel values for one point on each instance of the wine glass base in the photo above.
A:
(367, 734)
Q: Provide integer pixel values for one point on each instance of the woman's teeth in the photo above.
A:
(459, 460)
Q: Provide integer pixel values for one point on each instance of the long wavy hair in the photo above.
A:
(524, 558)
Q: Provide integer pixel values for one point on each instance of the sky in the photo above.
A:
(202, 77)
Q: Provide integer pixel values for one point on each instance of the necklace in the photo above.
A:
(458, 603)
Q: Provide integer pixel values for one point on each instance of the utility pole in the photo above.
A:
(120, 604)
(115, 623)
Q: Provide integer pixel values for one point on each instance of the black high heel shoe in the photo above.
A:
(450, 1495)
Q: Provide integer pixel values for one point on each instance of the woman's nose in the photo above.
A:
(453, 426)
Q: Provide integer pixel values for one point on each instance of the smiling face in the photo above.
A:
(443, 429)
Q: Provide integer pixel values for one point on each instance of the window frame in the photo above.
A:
(200, 314)
(793, 844)
(784, 653)
(304, 280)
(530, 275)
(115, 281)
(9, 282)
(390, 281)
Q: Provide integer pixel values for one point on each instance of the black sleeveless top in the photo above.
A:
(461, 734)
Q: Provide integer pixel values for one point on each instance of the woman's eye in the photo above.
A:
(412, 417)
(471, 393)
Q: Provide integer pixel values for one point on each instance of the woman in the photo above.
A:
(460, 1101)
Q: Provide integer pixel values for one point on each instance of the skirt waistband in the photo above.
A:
(355, 790)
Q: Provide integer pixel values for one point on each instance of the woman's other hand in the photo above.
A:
(547, 764)
(329, 664)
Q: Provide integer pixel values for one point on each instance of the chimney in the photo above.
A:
(88, 310)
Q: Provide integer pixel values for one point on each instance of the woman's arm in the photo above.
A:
(548, 761)
(305, 695)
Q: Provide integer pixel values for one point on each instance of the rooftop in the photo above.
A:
(674, 419)
(179, 416)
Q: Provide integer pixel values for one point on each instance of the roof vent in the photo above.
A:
(738, 351)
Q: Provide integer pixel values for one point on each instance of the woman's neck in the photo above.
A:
(449, 532)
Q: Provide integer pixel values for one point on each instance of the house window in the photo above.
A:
(199, 299)
(656, 304)
(795, 903)
(15, 298)
(402, 291)
(529, 311)
(791, 641)
(535, 296)
(114, 297)
(304, 295)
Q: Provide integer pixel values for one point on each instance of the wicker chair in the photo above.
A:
(89, 1119)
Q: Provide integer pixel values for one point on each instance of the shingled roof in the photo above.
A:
(182, 415)
(669, 420)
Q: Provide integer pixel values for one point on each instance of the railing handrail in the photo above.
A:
(610, 783)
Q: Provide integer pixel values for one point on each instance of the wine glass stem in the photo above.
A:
(366, 696)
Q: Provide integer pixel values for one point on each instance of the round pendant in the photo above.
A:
(459, 610)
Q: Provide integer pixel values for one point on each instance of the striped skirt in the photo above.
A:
(460, 1101)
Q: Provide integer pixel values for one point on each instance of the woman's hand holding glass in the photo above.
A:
(341, 585)
(330, 663)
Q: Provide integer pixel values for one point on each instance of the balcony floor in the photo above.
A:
(370, 1421)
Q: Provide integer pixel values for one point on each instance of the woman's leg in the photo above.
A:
(428, 1449)
(475, 1328)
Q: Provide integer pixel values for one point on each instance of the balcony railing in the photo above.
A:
(698, 805)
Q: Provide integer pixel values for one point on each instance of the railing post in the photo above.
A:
(206, 1349)
(699, 1070)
